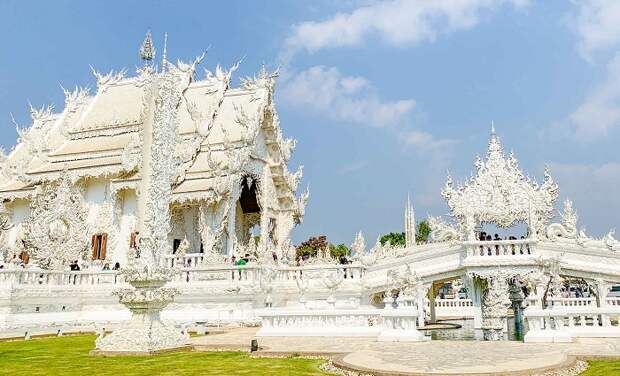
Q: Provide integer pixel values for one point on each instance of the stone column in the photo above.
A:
(231, 238)
(145, 333)
(516, 298)
(422, 292)
(431, 297)
(602, 289)
(495, 302)
(474, 290)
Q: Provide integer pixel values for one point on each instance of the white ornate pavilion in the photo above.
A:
(167, 175)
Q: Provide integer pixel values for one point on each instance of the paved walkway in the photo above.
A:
(435, 357)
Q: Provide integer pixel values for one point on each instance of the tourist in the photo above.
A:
(527, 246)
(233, 262)
(482, 237)
(241, 262)
(274, 255)
(106, 266)
(497, 238)
(488, 238)
(117, 266)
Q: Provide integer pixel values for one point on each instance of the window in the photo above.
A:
(98, 244)
(24, 256)
(175, 245)
(133, 240)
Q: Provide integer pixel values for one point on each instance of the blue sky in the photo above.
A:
(384, 97)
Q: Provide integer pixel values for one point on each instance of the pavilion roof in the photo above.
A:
(500, 192)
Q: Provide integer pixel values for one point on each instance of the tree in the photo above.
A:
(395, 238)
(423, 230)
(316, 244)
(398, 238)
(312, 246)
(339, 250)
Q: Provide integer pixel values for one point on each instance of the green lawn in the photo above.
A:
(602, 368)
(69, 356)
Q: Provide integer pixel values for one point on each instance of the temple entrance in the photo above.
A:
(248, 224)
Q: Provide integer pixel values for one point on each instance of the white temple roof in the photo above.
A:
(99, 134)
(116, 105)
(500, 192)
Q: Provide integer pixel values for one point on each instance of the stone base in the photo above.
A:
(141, 337)
(547, 336)
(493, 334)
(396, 335)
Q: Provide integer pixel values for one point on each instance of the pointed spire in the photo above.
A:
(495, 150)
(409, 224)
(147, 51)
(164, 56)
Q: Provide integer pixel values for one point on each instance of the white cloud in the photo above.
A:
(599, 211)
(600, 112)
(425, 141)
(597, 24)
(397, 22)
(345, 98)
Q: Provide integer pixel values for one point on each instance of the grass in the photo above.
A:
(69, 356)
(602, 368)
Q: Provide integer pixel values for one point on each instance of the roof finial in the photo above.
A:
(164, 56)
(492, 127)
(147, 51)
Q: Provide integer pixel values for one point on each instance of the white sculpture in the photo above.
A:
(501, 194)
(359, 244)
(56, 233)
(568, 228)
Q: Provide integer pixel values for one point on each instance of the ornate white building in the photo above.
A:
(168, 175)
(74, 186)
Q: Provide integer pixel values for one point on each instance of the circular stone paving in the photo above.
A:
(457, 357)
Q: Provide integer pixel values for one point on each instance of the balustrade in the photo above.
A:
(331, 323)
(613, 301)
(189, 260)
(573, 317)
(63, 278)
(489, 248)
(453, 303)
(313, 271)
(571, 302)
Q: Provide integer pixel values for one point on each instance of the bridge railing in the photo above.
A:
(491, 248)
(248, 272)
(63, 278)
(190, 260)
(571, 302)
(562, 324)
(238, 273)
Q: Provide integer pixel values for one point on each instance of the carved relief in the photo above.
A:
(56, 232)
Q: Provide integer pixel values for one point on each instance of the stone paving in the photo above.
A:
(435, 357)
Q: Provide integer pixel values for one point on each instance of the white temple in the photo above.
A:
(169, 176)
(73, 186)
